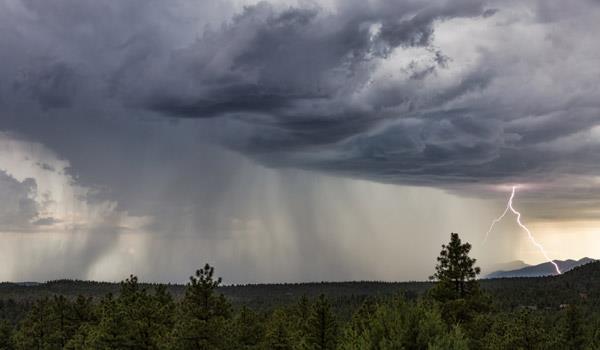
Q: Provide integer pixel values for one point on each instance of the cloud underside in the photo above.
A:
(139, 104)
(434, 93)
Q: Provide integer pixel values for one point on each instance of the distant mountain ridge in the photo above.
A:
(544, 269)
(507, 266)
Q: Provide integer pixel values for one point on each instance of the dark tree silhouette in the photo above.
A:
(457, 289)
(455, 271)
(204, 314)
(573, 334)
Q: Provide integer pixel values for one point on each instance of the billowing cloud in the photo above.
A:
(395, 91)
(139, 104)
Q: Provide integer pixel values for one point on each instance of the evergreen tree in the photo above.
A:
(84, 315)
(6, 333)
(595, 336)
(36, 330)
(302, 312)
(148, 317)
(455, 271)
(521, 330)
(50, 324)
(454, 340)
(61, 311)
(278, 334)
(204, 314)
(248, 330)
(361, 319)
(573, 334)
(398, 325)
(83, 310)
(136, 320)
(321, 332)
(111, 333)
(457, 288)
(423, 326)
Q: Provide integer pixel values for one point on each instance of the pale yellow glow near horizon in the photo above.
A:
(563, 240)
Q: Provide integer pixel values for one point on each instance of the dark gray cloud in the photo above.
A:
(433, 93)
(140, 98)
(279, 62)
(299, 89)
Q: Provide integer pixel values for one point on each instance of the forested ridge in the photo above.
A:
(454, 310)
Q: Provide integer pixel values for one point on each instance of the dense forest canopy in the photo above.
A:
(453, 311)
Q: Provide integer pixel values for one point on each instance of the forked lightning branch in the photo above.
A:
(509, 207)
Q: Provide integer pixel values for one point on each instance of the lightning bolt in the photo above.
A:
(509, 207)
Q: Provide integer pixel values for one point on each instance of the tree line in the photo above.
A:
(453, 315)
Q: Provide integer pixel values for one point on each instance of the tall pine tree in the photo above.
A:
(321, 328)
(204, 315)
(457, 288)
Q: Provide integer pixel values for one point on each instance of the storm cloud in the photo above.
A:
(395, 91)
(166, 113)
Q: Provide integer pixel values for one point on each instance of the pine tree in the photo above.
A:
(136, 320)
(424, 326)
(595, 336)
(147, 320)
(278, 335)
(6, 333)
(573, 334)
(397, 325)
(83, 310)
(457, 288)
(111, 333)
(248, 329)
(455, 271)
(454, 340)
(302, 312)
(521, 330)
(36, 329)
(203, 314)
(61, 311)
(321, 332)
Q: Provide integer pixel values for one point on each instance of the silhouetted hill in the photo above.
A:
(544, 269)
(507, 266)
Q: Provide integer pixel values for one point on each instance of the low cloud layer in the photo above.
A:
(137, 102)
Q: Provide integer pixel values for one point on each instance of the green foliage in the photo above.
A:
(594, 342)
(573, 329)
(398, 324)
(203, 319)
(111, 331)
(521, 330)
(453, 340)
(525, 315)
(6, 334)
(248, 330)
(457, 288)
(455, 272)
(39, 330)
(136, 319)
(321, 326)
(279, 332)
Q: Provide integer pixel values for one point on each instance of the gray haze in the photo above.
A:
(292, 140)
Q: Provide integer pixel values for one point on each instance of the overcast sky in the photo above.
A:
(293, 140)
